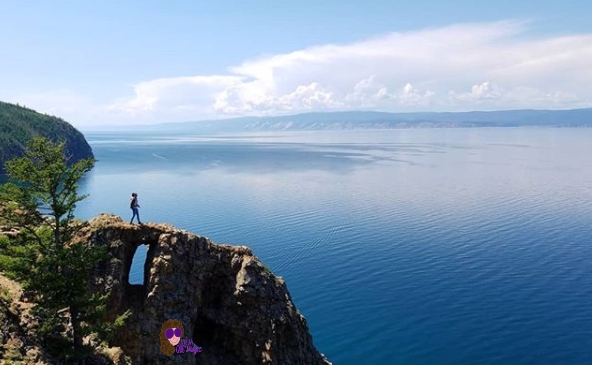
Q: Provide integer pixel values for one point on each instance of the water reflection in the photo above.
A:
(187, 158)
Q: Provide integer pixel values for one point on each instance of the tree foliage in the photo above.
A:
(18, 125)
(39, 200)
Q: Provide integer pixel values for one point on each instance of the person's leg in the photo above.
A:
(138, 215)
(135, 210)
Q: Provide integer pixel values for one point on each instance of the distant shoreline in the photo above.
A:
(365, 120)
(137, 131)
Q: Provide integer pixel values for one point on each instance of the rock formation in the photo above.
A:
(19, 341)
(17, 328)
(230, 305)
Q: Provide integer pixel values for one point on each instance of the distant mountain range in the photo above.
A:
(383, 120)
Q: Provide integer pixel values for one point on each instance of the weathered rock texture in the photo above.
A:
(228, 302)
(19, 341)
(18, 328)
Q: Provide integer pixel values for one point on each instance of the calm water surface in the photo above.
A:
(430, 246)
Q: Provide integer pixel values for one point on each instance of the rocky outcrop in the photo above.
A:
(230, 305)
(10, 232)
(17, 328)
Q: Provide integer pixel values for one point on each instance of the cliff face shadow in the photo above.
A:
(219, 342)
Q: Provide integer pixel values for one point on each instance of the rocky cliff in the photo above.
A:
(17, 328)
(229, 304)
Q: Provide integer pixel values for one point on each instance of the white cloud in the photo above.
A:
(460, 67)
(484, 91)
(180, 93)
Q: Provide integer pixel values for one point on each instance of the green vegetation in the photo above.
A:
(18, 125)
(5, 295)
(39, 200)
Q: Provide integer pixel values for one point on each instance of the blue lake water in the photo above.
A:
(426, 246)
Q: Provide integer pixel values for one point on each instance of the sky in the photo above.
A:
(128, 62)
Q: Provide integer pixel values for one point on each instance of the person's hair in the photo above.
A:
(134, 195)
(165, 345)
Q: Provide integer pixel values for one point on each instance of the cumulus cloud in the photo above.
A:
(181, 93)
(460, 67)
(485, 91)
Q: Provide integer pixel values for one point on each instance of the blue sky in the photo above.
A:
(142, 62)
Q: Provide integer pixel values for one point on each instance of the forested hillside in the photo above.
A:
(19, 124)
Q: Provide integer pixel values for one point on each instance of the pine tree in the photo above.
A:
(39, 200)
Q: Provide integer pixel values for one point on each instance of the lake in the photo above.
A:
(417, 246)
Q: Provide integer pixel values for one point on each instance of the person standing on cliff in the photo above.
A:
(134, 207)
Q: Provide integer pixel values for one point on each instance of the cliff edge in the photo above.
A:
(230, 305)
